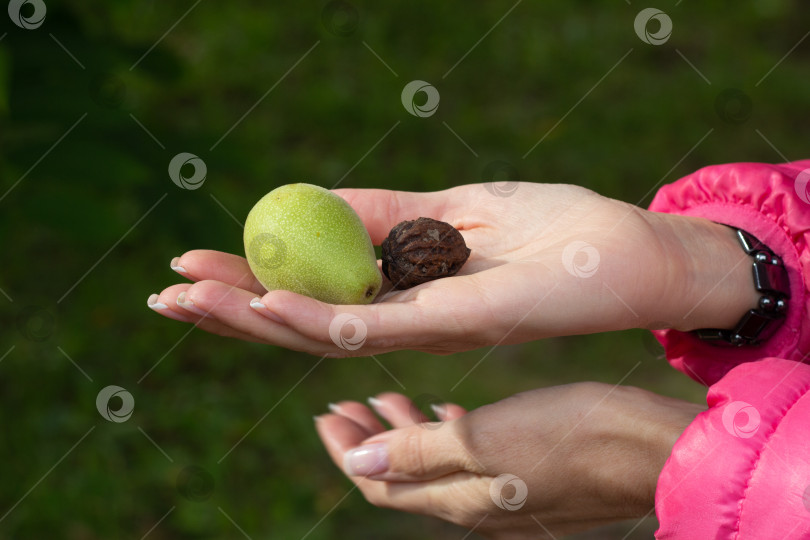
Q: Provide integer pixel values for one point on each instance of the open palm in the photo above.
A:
(549, 259)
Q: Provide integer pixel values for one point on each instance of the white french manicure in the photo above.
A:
(189, 305)
(153, 303)
(175, 265)
(376, 403)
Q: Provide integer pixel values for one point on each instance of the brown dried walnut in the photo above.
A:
(422, 250)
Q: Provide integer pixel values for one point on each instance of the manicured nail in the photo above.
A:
(376, 403)
(334, 408)
(438, 410)
(316, 418)
(259, 306)
(366, 460)
(188, 304)
(153, 303)
(175, 265)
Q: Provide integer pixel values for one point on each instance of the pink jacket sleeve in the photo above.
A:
(772, 202)
(741, 470)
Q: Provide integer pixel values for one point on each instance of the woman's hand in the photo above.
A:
(546, 462)
(548, 260)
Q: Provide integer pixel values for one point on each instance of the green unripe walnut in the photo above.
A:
(305, 239)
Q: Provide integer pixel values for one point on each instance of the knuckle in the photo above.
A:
(408, 454)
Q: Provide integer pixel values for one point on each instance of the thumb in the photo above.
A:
(410, 454)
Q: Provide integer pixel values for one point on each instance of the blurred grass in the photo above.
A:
(64, 209)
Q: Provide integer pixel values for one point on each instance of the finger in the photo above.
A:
(397, 409)
(165, 304)
(202, 264)
(339, 434)
(448, 411)
(410, 454)
(230, 306)
(435, 317)
(358, 413)
(454, 497)
(382, 209)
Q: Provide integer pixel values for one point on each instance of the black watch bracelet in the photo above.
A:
(771, 281)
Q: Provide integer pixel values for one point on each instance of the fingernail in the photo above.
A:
(175, 265)
(259, 306)
(188, 304)
(438, 410)
(334, 408)
(366, 460)
(316, 418)
(376, 403)
(153, 303)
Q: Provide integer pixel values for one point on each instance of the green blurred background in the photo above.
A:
(89, 220)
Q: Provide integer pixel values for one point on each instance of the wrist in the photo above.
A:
(646, 426)
(710, 277)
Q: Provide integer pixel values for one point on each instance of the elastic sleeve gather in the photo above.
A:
(772, 202)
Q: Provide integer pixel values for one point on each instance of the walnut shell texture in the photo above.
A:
(422, 250)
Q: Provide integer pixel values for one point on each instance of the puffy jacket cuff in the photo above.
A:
(741, 470)
(772, 202)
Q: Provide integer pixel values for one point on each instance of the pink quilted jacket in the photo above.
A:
(741, 470)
